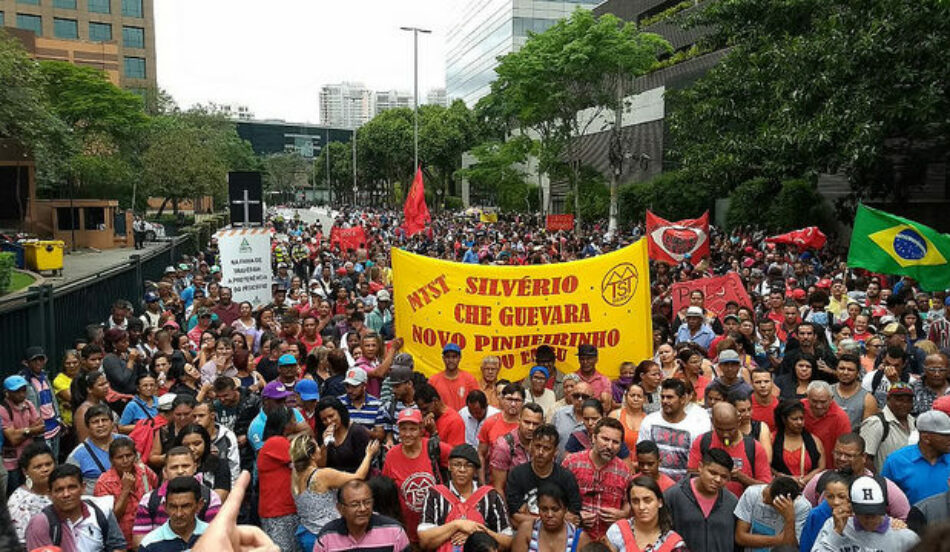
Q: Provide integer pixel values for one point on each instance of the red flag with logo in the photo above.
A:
(348, 238)
(806, 238)
(671, 242)
(415, 210)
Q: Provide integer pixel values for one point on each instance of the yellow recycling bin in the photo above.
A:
(44, 255)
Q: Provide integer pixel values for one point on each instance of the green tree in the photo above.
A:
(582, 62)
(444, 135)
(341, 170)
(670, 195)
(817, 86)
(283, 172)
(498, 174)
(384, 150)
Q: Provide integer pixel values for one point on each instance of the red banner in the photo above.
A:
(719, 291)
(348, 238)
(806, 238)
(553, 223)
(671, 242)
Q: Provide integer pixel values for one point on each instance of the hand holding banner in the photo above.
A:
(509, 311)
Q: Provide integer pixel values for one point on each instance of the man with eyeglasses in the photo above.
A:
(848, 461)
(568, 419)
(359, 529)
(453, 512)
(890, 429)
(934, 383)
(512, 397)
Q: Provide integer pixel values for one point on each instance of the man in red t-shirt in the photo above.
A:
(453, 384)
(512, 397)
(408, 464)
(726, 436)
(439, 419)
(764, 400)
(824, 419)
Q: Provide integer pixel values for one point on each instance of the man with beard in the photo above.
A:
(513, 448)
(672, 429)
(849, 462)
(857, 403)
(602, 478)
(806, 335)
(521, 490)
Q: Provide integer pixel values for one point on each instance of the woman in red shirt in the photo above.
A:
(276, 507)
(128, 480)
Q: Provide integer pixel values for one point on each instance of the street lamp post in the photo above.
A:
(355, 124)
(326, 149)
(415, 90)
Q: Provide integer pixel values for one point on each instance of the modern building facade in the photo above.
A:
(391, 99)
(437, 96)
(270, 137)
(71, 29)
(483, 30)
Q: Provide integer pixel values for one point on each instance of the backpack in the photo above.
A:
(434, 451)
(747, 440)
(884, 424)
(143, 434)
(630, 542)
(462, 510)
(154, 501)
(56, 532)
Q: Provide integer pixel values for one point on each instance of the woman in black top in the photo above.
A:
(213, 469)
(345, 443)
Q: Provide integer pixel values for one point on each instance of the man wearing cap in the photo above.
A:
(204, 316)
(601, 387)
(403, 396)
(730, 327)
(152, 316)
(227, 310)
(537, 391)
(890, 429)
(274, 395)
(922, 470)
(697, 298)
(288, 374)
(40, 393)
(695, 330)
(188, 294)
(382, 314)
(939, 331)
(471, 507)
(409, 465)
(729, 366)
(363, 407)
(21, 423)
(453, 384)
(869, 528)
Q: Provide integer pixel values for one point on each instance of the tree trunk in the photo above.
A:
(175, 206)
(161, 208)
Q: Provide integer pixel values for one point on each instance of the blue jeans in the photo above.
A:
(305, 538)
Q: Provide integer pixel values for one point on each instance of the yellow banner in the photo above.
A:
(510, 311)
(488, 217)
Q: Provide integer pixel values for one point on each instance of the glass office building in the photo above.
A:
(485, 29)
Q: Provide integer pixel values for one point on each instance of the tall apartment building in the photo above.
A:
(486, 29)
(391, 99)
(65, 29)
(346, 105)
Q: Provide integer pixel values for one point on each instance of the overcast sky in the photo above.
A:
(274, 55)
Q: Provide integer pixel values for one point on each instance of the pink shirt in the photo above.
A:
(23, 416)
(598, 382)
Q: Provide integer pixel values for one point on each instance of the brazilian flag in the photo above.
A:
(889, 244)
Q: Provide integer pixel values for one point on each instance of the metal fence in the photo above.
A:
(56, 317)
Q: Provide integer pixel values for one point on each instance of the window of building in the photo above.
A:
(100, 32)
(134, 67)
(133, 37)
(30, 2)
(99, 6)
(30, 23)
(95, 218)
(1, 19)
(132, 8)
(65, 28)
(67, 219)
(65, 4)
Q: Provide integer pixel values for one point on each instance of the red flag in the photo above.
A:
(670, 242)
(415, 210)
(806, 238)
(348, 238)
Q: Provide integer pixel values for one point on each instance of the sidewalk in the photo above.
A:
(86, 262)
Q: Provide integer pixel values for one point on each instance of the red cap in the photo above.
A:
(409, 415)
(942, 404)
(824, 283)
(798, 294)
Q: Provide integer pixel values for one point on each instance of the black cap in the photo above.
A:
(586, 350)
(466, 452)
(34, 352)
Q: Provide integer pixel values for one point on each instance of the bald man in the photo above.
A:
(567, 419)
(750, 461)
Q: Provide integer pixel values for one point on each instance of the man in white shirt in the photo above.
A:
(476, 411)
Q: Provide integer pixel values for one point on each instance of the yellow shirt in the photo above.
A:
(61, 383)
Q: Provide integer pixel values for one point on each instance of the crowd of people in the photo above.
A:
(816, 417)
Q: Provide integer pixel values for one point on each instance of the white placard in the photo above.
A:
(246, 264)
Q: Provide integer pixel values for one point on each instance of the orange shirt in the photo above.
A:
(453, 391)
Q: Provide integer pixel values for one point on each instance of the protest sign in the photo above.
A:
(509, 311)
(348, 238)
(245, 264)
(553, 223)
(719, 291)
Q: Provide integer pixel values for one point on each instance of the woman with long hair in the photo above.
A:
(189, 383)
(213, 469)
(345, 442)
(550, 532)
(317, 367)
(650, 527)
(691, 359)
(631, 414)
(915, 326)
(62, 384)
(795, 452)
(90, 389)
(314, 488)
(121, 363)
(649, 376)
(795, 384)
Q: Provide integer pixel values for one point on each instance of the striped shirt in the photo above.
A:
(145, 523)
(367, 414)
(44, 402)
(382, 535)
(436, 508)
